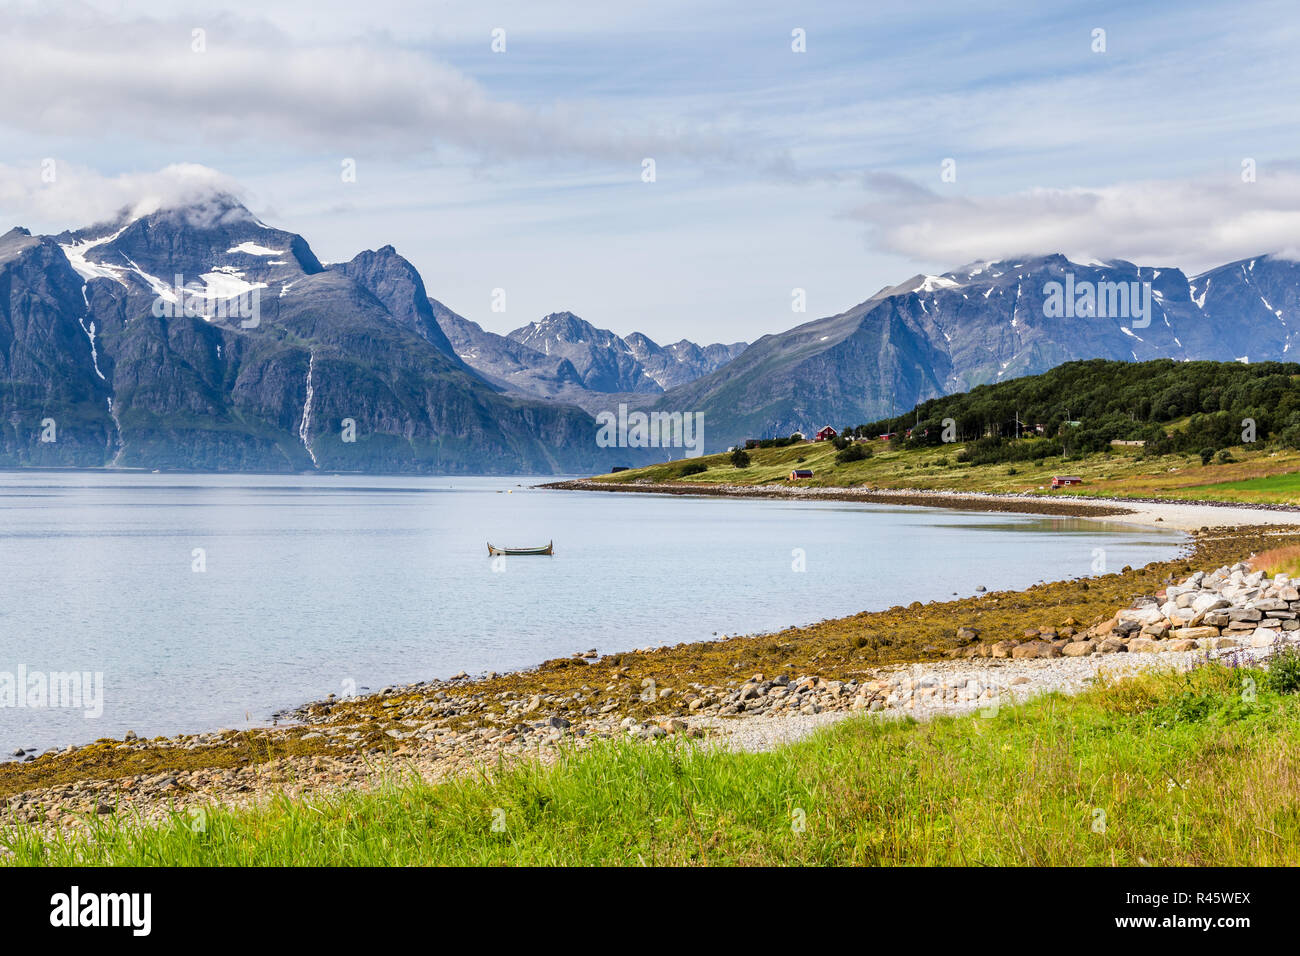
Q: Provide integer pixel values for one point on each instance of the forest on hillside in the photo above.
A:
(1082, 407)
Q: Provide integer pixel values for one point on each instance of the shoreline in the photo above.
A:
(1153, 512)
(441, 729)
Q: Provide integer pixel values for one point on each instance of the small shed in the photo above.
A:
(1060, 481)
(800, 473)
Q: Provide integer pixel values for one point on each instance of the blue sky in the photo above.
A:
(775, 170)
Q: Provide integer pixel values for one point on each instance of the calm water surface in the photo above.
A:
(316, 585)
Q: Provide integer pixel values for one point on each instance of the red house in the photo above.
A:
(800, 473)
(1060, 481)
(826, 433)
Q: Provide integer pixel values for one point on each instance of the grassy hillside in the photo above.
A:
(1265, 475)
(1159, 769)
(1221, 431)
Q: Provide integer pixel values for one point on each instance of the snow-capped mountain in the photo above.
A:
(937, 334)
(565, 358)
(201, 338)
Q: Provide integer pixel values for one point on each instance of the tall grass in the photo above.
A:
(1198, 769)
(1284, 560)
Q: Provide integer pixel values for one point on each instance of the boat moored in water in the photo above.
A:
(548, 548)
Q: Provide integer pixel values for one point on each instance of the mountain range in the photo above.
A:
(564, 358)
(935, 335)
(201, 338)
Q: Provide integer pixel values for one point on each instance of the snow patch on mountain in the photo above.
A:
(935, 283)
(253, 249)
(76, 253)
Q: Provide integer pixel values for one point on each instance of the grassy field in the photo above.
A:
(1258, 475)
(1188, 769)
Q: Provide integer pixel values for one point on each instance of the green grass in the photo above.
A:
(1263, 475)
(1287, 485)
(1185, 769)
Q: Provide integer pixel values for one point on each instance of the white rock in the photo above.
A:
(1208, 602)
(1143, 615)
(1263, 637)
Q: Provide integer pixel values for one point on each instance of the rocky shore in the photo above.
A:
(751, 692)
(1229, 608)
(1188, 515)
(963, 501)
(440, 729)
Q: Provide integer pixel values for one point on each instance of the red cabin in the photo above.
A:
(826, 433)
(1060, 481)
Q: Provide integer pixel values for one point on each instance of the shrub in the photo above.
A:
(739, 458)
(693, 468)
(1225, 457)
(854, 452)
(1206, 455)
(1283, 674)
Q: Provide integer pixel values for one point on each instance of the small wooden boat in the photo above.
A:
(548, 548)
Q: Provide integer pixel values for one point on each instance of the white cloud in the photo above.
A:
(79, 196)
(1190, 223)
(71, 69)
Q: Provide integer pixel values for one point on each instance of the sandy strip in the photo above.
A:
(1178, 515)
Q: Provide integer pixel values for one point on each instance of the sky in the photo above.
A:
(834, 148)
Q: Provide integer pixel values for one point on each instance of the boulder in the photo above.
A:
(1147, 614)
(1193, 633)
(1263, 637)
(1143, 645)
(1035, 649)
(1208, 602)
(1079, 648)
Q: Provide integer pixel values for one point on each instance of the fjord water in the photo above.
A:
(313, 585)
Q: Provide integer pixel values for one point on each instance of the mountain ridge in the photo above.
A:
(986, 322)
(117, 333)
(133, 337)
